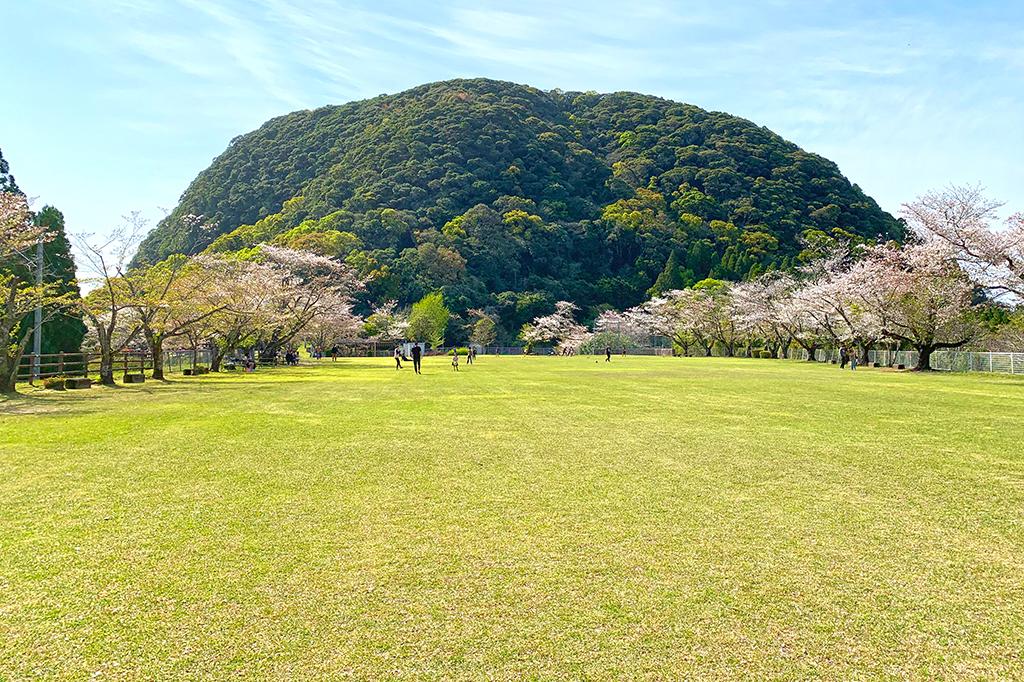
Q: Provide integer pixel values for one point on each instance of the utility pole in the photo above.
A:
(37, 334)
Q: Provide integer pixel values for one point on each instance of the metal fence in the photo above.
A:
(942, 360)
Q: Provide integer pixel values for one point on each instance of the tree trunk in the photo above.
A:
(217, 355)
(812, 353)
(924, 358)
(9, 364)
(156, 349)
(106, 367)
(8, 376)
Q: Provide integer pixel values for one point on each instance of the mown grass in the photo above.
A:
(530, 518)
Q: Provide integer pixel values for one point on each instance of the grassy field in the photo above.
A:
(530, 518)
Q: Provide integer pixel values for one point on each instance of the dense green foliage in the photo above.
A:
(7, 183)
(428, 320)
(484, 332)
(522, 519)
(63, 332)
(508, 198)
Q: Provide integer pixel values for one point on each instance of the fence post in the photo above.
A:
(990, 361)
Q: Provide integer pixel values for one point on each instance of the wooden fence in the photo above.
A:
(85, 364)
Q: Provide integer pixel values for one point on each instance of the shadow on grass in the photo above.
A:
(38, 401)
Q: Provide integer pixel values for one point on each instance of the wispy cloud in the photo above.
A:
(902, 95)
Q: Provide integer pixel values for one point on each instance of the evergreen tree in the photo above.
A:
(63, 333)
(7, 183)
(669, 279)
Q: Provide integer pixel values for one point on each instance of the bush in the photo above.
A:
(766, 355)
(460, 351)
(54, 383)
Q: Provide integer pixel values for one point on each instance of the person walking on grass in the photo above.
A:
(416, 355)
(334, 353)
(853, 362)
(398, 357)
(843, 357)
(607, 353)
(469, 355)
(455, 359)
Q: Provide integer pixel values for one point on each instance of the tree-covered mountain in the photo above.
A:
(509, 198)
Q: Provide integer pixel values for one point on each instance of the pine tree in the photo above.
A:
(64, 333)
(669, 279)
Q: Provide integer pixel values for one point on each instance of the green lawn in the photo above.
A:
(528, 518)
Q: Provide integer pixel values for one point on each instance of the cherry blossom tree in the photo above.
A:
(716, 314)
(919, 295)
(112, 323)
(760, 307)
(253, 291)
(560, 327)
(680, 315)
(313, 286)
(625, 326)
(964, 218)
(20, 291)
(816, 310)
(332, 326)
(387, 322)
(829, 306)
(171, 297)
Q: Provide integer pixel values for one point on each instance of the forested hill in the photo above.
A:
(509, 197)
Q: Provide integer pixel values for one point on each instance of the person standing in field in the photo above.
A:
(416, 355)
(398, 357)
(469, 355)
(853, 361)
(842, 357)
(455, 359)
(334, 353)
(607, 353)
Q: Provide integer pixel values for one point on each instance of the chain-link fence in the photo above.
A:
(943, 360)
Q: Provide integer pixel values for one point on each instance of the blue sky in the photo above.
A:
(110, 106)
